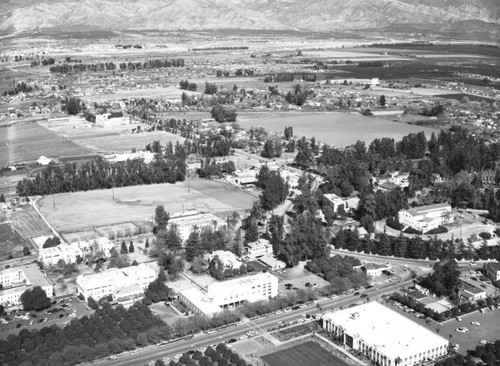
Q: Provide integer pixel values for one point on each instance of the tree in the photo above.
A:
(73, 105)
(2, 198)
(131, 248)
(26, 250)
(35, 299)
(123, 248)
(161, 218)
(382, 100)
(146, 245)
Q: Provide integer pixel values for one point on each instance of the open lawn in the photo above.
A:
(335, 128)
(306, 354)
(82, 210)
(26, 142)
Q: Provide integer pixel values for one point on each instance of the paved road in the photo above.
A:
(399, 261)
(260, 325)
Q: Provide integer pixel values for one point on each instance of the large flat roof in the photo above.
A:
(201, 300)
(385, 329)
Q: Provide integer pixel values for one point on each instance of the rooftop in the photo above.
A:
(386, 330)
(201, 300)
(422, 210)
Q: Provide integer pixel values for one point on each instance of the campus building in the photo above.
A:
(492, 271)
(69, 252)
(384, 336)
(228, 294)
(228, 259)
(258, 248)
(188, 220)
(16, 280)
(426, 218)
(126, 285)
(349, 203)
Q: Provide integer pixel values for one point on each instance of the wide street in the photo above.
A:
(143, 356)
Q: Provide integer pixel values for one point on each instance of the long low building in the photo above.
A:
(16, 280)
(425, 218)
(227, 294)
(384, 336)
(125, 284)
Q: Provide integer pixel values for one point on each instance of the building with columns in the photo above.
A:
(384, 336)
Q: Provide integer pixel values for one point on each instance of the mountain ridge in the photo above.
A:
(315, 15)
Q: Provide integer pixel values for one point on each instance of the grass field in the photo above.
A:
(119, 142)
(26, 142)
(83, 210)
(168, 93)
(306, 354)
(335, 128)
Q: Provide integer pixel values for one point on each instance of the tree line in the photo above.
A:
(111, 66)
(101, 174)
(107, 331)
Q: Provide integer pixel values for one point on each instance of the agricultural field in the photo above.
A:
(80, 211)
(334, 128)
(26, 142)
(306, 354)
(10, 241)
(28, 223)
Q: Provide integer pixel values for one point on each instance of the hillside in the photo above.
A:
(314, 15)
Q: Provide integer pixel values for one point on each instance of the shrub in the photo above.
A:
(410, 230)
(438, 230)
(394, 223)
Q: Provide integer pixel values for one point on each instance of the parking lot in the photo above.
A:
(487, 330)
(59, 313)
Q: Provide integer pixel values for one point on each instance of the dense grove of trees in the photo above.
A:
(21, 87)
(100, 173)
(212, 168)
(107, 331)
(186, 85)
(444, 281)
(272, 148)
(52, 241)
(223, 113)
(110, 66)
(274, 188)
(339, 271)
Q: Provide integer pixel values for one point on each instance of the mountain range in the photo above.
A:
(311, 15)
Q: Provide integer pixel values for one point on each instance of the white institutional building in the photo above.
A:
(17, 280)
(188, 220)
(426, 218)
(125, 284)
(226, 294)
(384, 336)
(69, 252)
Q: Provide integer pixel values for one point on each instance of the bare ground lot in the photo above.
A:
(26, 142)
(82, 210)
(10, 241)
(339, 129)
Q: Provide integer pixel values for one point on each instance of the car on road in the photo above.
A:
(475, 323)
(363, 295)
(483, 341)
(462, 330)
(356, 293)
(165, 359)
(112, 358)
(177, 356)
(455, 347)
(243, 337)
